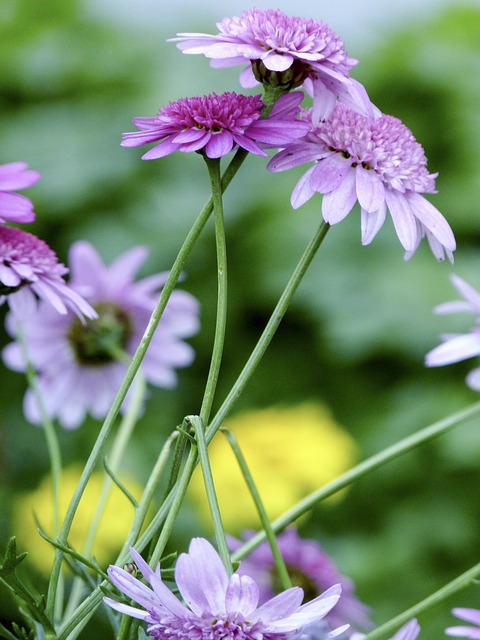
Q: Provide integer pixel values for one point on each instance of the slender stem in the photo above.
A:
(218, 527)
(214, 173)
(54, 454)
(360, 470)
(87, 607)
(270, 329)
(122, 438)
(176, 503)
(132, 370)
(282, 571)
(442, 594)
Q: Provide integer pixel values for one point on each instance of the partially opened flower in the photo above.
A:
(13, 206)
(29, 268)
(80, 366)
(377, 162)
(282, 51)
(218, 124)
(459, 347)
(309, 567)
(216, 606)
(469, 615)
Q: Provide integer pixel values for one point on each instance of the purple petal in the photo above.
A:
(433, 220)
(454, 350)
(337, 204)
(308, 613)
(409, 631)
(295, 154)
(469, 615)
(165, 148)
(403, 219)
(219, 144)
(15, 175)
(330, 172)
(133, 612)
(370, 189)
(277, 133)
(242, 595)
(201, 578)
(371, 223)
(247, 79)
(274, 61)
(466, 291)
(285, 604)
(323, 102)
(473, 379)
(303, 190)
(287, 106)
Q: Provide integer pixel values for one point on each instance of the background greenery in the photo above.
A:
(361, 323)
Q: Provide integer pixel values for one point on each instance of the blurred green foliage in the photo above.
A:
(359, 326)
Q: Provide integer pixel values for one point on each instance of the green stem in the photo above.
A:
(87, 608)
(360, 470)
(270, 329)
(442, 594)
(282, 571)
(218, 527)
(214, 173)
(132, 370)
(118, 449)
(54, 454)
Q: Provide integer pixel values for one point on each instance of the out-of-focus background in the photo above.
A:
(73, 74)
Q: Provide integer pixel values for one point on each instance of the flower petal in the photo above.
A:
(284, 604)
(372, 222)
(370, 189)
(337, 204)
(242, 595)
(201, 578)
(454, 350)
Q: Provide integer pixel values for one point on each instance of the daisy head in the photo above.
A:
(373, 161)
(282, 52)
(80, 366)
(217, 606)
(217, 124)
(29, 269)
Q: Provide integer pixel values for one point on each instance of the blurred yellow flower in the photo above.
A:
(290, 453)
(112, 531)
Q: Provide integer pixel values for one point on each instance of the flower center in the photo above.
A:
(101, 341)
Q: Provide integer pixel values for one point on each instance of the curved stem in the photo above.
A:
(118, 449)
(270, 329)
(218, 527)
(280, 566)
(360, 470)
(132, 370)
(442, 594)
(214, 173)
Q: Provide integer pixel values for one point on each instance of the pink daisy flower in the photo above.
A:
(218, 124)
(78, 365)
(29, 268)
(459, 347)
(13, 206)
(377, 162)
(216, 606)
(282, 51)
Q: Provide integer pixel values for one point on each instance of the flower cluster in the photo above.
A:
(218, 606)
(80, 365)
(28, 267)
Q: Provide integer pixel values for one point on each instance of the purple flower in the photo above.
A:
(377, 162)
(218, 124)
(13, 206)
(282, 51)
(310, 568)
(218, 607)
(409, 631)
(80, 366)
(459, 347)
(28, 267)
(469, 615)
